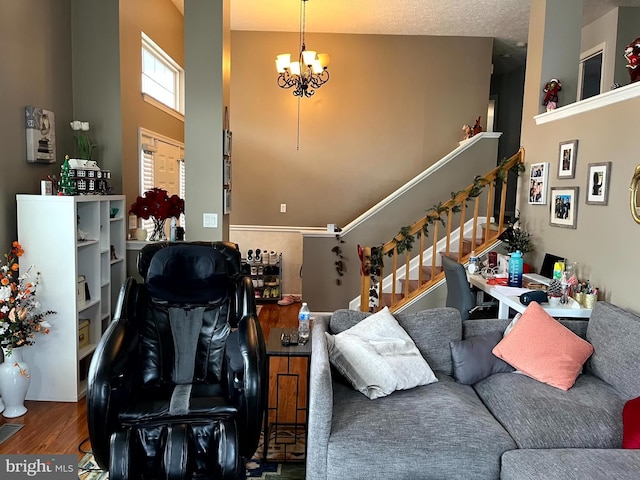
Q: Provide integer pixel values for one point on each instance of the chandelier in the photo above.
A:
(308, 72)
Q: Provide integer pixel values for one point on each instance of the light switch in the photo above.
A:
(283, 208)
(210, 220)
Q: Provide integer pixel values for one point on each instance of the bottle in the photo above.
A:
(473, 263)
(172, 230)
(515, 269)
(558, 268)
(304, 317)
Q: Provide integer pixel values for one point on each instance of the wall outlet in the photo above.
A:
(283, 208)
(210, 220)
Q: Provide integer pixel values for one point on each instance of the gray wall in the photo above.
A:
(35, 52)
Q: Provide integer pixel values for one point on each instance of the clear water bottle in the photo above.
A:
(172, 229)
(304, 317)
(515, 269)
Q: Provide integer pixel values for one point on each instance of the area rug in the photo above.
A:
(285, 445)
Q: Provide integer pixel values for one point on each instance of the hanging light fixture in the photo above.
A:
(306, 74)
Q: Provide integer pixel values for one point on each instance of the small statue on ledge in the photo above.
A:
(551, 89)
(471, 131)
(632, 54)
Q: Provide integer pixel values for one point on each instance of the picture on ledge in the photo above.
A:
(567, 159)
(563, 207)
(538, 183)
(598, 183)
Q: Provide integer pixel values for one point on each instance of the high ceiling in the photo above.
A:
(505, 20)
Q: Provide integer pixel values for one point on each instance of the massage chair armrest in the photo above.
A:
(245, 358)
(109, 381)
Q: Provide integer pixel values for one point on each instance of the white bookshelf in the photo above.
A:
(48, 230)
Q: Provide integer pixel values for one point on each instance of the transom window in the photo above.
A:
(162, 77)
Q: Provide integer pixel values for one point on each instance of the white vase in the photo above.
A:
(15, 377)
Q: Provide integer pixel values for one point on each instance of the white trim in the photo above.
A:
(313, 231)
(158, 104)
(603, 100)
(420, 177)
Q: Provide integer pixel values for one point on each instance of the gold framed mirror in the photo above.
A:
(634, 195)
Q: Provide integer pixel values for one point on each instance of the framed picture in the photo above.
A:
(598, 183)
(567, 159)
(40, 134)
(538, 183)
(227, 171)
(227, 200)
(227, 140)
(563, 207)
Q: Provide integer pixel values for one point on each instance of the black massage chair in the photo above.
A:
(176, 386)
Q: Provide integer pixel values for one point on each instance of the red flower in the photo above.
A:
(158, 204)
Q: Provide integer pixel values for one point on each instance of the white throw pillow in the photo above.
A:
(378, 357)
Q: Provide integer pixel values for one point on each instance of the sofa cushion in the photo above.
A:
(431, 331)
(414, 434)
(615, 335)
(541, 347)
(570, 464)
(540, 416)
(473, 359)
(378, 357)
(631, 424)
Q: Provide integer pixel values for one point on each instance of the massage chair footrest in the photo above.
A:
(206, 450)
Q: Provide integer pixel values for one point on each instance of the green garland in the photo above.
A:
(404, 240)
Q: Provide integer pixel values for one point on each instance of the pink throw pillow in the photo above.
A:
(542, 348)
(631, 424)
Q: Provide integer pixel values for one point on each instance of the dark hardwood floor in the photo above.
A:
(58, 427)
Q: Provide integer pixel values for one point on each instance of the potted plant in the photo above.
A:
(516, 238)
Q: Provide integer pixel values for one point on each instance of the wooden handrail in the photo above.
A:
(402, 241)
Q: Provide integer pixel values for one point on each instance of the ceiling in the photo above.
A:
(505, 20)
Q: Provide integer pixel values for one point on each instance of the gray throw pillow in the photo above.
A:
(473, 360)
(377, 356)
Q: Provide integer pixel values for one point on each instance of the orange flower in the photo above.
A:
(18, 248)
(4, 281)
(15, 267)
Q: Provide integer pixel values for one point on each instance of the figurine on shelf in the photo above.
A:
(468, 133)
(551, 89)
(477, 127)
(471, 131)
(632, 54)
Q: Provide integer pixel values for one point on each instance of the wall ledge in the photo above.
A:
(604, 99)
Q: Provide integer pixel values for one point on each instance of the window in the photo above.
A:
(162, 77)
(590, 73)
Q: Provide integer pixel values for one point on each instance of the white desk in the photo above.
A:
(570, 310)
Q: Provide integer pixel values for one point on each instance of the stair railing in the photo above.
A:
(399, 248)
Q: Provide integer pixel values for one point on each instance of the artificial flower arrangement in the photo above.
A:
(19, 321)
(83, 143)
(158, 204)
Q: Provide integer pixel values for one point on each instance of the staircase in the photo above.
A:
(456, 227)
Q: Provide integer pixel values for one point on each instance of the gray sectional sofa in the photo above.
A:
(506, 426)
